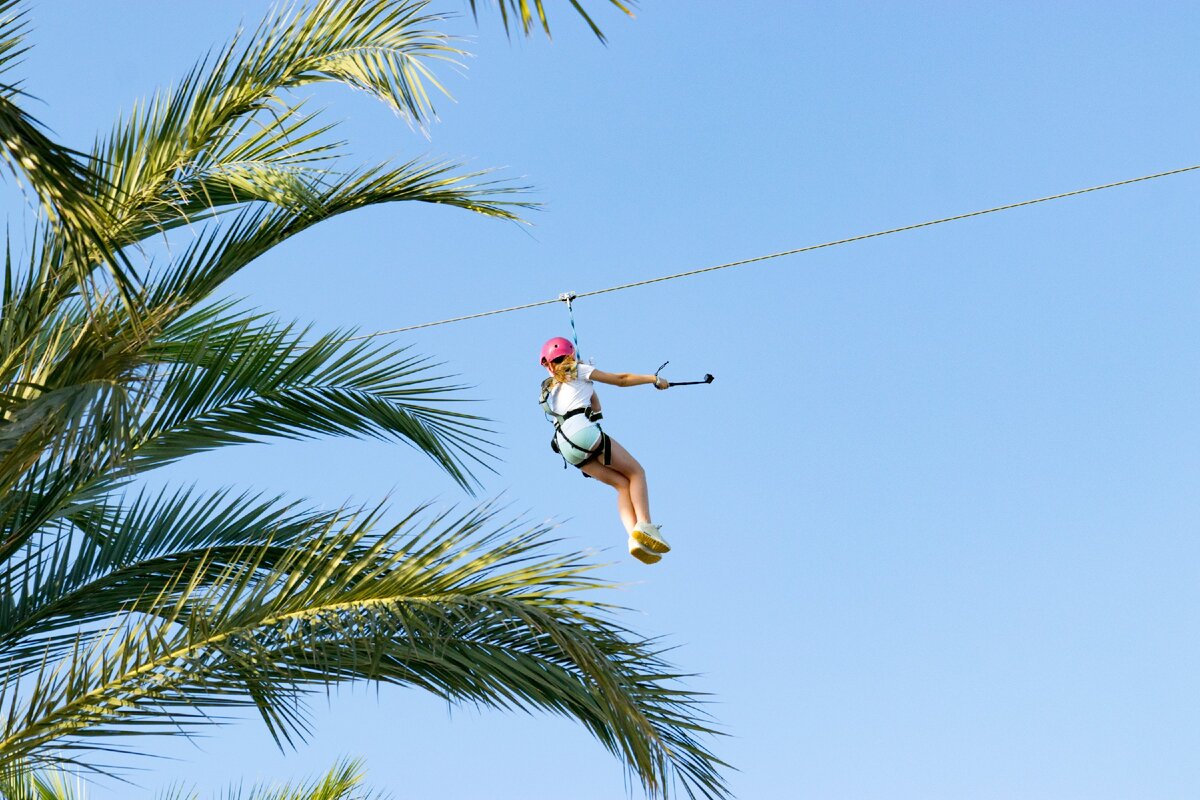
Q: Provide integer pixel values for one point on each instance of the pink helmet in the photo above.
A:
(558, 346)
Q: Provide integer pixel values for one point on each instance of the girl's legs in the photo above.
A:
(645, 533)
(629, 479)
(619, 482)
(626, 475)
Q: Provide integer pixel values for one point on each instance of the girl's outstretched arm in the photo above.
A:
(628, 379)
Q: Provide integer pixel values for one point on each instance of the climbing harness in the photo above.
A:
(600, 448)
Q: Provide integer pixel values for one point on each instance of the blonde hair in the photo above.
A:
(565, 370)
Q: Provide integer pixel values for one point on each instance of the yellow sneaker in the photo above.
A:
(642, 554)
(650, 537)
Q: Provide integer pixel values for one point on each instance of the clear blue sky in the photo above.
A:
(935, 524)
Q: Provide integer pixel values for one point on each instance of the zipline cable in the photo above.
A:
(573, 296)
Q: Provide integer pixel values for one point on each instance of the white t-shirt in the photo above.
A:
(573, 394)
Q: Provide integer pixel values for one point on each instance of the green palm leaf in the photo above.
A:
(481, 618)
(61, 179)
(263, 380)
(525, 15)
(20, 782)
(117, 557)
(226, 119)
(221, 252)
(344, 781)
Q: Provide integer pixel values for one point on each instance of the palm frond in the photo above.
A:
(344, 781)
(107, 405)
(75, 390)
(222, 252)
(32, 298)
(272, 157)
(476, 618)
(74, 455)
(61, 179)
(170, 158)
(18, 781)
(116, 557)
(524, 15)
(264, 380)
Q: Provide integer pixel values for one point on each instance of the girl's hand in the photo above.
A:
(661, 383)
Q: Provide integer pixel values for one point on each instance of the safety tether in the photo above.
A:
(569, 298)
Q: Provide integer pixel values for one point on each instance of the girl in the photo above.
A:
(569, 398)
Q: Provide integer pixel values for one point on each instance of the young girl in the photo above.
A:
(569, 397)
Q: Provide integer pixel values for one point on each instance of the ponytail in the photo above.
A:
(565, 370)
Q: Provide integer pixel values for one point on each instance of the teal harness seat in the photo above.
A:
(578, 437)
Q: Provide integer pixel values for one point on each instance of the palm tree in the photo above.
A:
(344, 781)
(126, 611)
(521, 14)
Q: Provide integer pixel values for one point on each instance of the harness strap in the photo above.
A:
(601, 445)
(602, 448)
(593, 416)
(604, 452)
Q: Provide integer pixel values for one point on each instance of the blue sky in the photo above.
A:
(935, 523)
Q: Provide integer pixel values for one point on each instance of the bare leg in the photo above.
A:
(619, 482)
(629, 477)
(626, 475)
